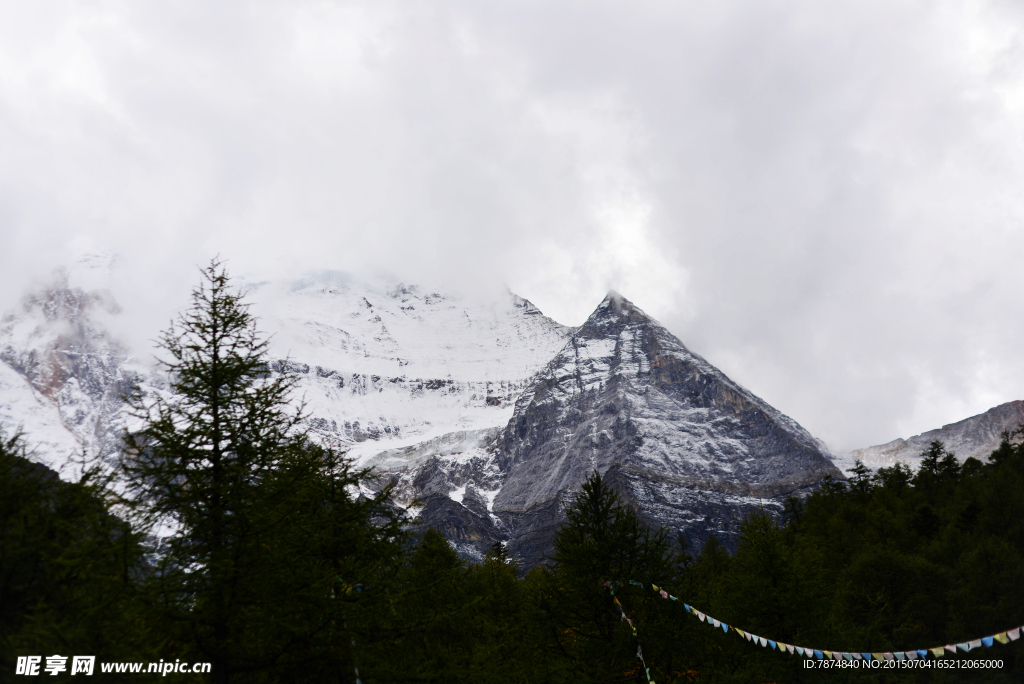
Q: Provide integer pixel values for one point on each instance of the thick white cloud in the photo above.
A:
(824, 199)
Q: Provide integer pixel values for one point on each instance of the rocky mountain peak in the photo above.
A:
(611, 315)
(624, 396)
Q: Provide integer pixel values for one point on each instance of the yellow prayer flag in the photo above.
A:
(1002, 638)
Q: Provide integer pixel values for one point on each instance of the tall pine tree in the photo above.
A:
(251, 561)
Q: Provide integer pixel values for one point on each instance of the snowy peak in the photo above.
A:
(62, 376)
(625, 397)
(974, 437)
(613, 313)
(387, 365)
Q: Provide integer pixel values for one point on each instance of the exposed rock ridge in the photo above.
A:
(626, 396)
(977, 437)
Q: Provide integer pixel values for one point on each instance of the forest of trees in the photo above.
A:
(225, 535)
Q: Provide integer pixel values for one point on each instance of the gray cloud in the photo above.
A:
(821, 198)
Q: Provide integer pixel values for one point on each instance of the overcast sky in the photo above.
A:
(824, 199)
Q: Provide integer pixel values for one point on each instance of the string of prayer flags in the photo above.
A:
(623, 617)
(917, 654)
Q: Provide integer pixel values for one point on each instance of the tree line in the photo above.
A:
(226, 535)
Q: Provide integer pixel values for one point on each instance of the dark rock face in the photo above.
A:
(690, 449)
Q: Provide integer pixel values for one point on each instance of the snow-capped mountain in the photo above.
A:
(484, 413)
(977, 437)
(63, 375)
(391, 366)
(691, 449)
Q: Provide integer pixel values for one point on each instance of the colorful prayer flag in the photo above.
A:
(987, 641)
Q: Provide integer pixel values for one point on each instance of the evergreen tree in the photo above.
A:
(602, 539)
(263, 550)
(68, 567)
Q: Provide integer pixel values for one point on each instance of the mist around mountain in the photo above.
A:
(482, 414)
(318, 573)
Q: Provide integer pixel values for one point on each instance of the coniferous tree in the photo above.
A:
(263, 551)
(69, 567)
(602, 539)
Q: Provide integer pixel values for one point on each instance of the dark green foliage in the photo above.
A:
(215, 464)
(267, 562)
(893, 561)
(68, 567)
(585, 637)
